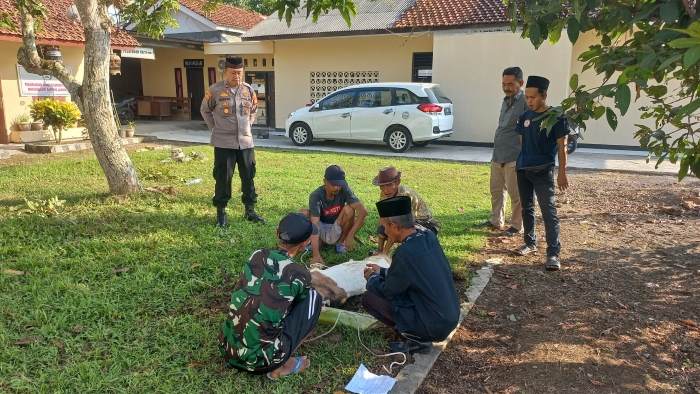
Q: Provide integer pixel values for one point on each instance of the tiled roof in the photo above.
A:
(57, 28)
(443, 13)
(226, 15)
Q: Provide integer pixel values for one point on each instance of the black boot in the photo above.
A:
(251, 215)
(221, 217)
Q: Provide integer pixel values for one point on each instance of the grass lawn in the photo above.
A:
(153, 328)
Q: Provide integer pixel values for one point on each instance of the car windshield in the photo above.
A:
(439, 95)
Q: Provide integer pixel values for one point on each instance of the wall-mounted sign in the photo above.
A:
(194, 63)
(140, 53)
(40, 85)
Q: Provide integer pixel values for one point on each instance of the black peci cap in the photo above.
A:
(533, 81)
(395, 206)
(234, 62)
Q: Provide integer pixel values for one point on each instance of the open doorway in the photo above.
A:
(195, 88)
(264, 85)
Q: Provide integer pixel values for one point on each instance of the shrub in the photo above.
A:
(57, 114)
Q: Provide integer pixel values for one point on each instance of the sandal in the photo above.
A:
(525, 250)
(552, 263)
(296, 368)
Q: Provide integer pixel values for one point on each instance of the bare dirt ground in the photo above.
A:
(622, 316)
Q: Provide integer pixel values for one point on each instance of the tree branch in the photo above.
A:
(28, 57)
(690, 10)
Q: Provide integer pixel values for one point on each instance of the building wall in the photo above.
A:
(390, 55)
(599, 132)
(14, 104)
(468, 65)
(187, 24)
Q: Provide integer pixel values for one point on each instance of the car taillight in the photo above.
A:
(430, 108)
(308, 105)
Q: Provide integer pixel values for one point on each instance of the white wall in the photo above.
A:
(468, 65)
(188, 24)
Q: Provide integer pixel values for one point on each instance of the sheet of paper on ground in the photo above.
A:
(365, 382)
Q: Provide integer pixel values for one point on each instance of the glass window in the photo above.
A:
(405, 97)
(439, 95)
(374, 98)
(338, 100)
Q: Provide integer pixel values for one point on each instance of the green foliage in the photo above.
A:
(57, 114)
(21, 118)
(37, 206)
(647, 45)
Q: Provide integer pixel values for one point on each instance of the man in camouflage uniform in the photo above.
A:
(229, 108)
(273, 307)
(389, 182)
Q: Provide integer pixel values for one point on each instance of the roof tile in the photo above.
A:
(443, 13)
(226, 15)
(58, 28)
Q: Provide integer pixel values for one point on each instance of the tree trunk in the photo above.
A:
(92, 97)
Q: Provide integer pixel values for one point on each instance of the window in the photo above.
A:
(338, 101)
(439, 95)
(212, 75)
(264, 62)
(406, 97)
(423, 67)
(374, 98)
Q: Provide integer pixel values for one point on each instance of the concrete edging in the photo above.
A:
(411, 376)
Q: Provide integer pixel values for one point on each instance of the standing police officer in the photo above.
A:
(229, 109)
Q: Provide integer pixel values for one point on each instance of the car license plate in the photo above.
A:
(448, 111)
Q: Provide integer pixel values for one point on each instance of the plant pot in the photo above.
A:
(24, 126)
(129, 132)
(37, 126)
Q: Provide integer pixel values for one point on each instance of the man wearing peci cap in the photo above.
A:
(336, 211)
(273, 307)
(229, 108)
(535, 170)
(389, 182)
(416, 294)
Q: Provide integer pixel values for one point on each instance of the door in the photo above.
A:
(195, 90)
(258, 81)
(333, 116)
(372, 114)
(3, 127)
(271, 100)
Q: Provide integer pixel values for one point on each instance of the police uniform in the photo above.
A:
(229, 112)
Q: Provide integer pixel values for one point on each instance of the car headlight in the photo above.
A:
(290, 115)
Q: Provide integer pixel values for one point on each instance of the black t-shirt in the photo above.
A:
(328, 211)
(539, 148)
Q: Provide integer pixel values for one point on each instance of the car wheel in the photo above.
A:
(301, 134)
(421, 144)
(398, 139)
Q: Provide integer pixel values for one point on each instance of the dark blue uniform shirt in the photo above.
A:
(539, 148)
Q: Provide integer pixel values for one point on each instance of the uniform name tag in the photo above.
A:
(223, 94)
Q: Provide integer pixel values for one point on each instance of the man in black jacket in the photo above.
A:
(416, 294)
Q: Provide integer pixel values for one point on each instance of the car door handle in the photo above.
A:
(345, 115)
(388, 111)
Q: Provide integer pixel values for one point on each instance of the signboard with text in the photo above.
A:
(40, 85)
(139, 53)
(194, 63)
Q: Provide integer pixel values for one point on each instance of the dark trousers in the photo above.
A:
(225, 161)
(540, 183)
(378, 307)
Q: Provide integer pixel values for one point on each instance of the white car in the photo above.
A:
(400, 114)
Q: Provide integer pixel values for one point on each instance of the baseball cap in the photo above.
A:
(335, 176)
(296, 228)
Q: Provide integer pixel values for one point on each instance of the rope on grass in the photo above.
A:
(391, 366)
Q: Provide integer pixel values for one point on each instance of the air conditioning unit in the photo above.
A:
(221, 64)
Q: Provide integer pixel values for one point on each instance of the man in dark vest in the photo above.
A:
(229, 109)
(416, 294)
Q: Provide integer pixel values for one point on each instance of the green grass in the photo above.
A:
(142, 328)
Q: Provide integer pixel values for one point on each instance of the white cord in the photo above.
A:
(391, 366)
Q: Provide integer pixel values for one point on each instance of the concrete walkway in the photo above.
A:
(593, 159)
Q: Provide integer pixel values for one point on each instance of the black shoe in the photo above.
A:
(510, 232)
(486, 224)
(221, 220)
(251, 215)
(410, 347)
